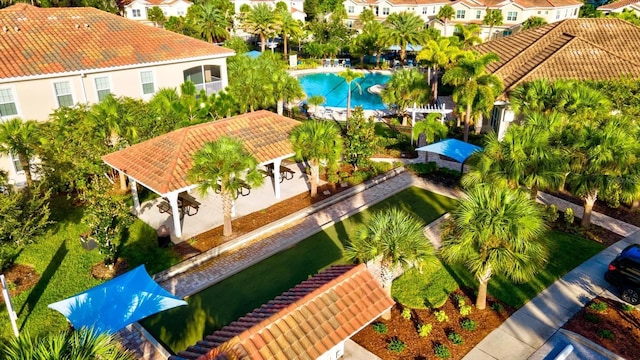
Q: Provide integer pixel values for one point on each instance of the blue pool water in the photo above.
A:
(334, 90)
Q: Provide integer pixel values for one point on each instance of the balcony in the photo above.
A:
(211, 87)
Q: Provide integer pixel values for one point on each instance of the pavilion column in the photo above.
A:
(134, 194)
(175, 212)
(276, 177)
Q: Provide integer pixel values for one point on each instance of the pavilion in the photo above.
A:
(161, 164)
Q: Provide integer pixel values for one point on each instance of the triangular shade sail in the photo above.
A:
(117, 303)
(453, 148)
(253, 54)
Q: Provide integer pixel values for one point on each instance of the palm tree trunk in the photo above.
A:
(481, 300)
(635, 205)
(467, 120)
(445, 27)
(377, 60)
(348, 104)
(226, 211)
(313, 178)
(534, 192)
(123, 181)
(403, 54)
(362, 60)
(434, 84)
(263, 46)
(284, 37)
(24, 162)
(589, 201)
(280, 106)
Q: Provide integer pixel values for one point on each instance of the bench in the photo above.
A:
(164, 206)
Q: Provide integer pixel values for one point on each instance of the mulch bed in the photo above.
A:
(624, 326)
(20, 278)
(424, 347)
(622, 213)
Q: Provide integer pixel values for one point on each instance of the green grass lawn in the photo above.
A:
(65, 267)
(431, 288)
(232, 298)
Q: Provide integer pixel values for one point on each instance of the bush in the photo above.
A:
(406, 314)
(422, 168)
(380, 167)
(396, 345)
(465, 310)
(606, 334)
(8, 255)
(441, 316)
(380, 328)
(552, 213)
(569, 216)
(627, 307)
(469, 325)
(358, 176)
(24, 215)
(442, 352)
(424, 329)
(455, 338)
(598, 306)
(592, 318)
(497, 307)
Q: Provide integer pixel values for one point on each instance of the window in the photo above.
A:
(63, 93)
(102, 87)
(385, 11)
(425, 10)
(7, 103)
(146, 77)
(434, 10)
(349, 24)
(460, 14)
(16, 163)
(566, 13)
(135, 12)
(512, 15)
(506, 32)
(539, 12)
(478, 14)
(546, 12)
(575, 12)
(557, 14)
(350, 9)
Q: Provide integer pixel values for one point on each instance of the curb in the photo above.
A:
(589, 344)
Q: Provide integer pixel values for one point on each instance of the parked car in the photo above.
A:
(624, 272)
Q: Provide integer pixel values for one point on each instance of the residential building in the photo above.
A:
(620, 6)
(137, 9)
(572, 49)
(514, 12)
(55, 57)
(296, 7)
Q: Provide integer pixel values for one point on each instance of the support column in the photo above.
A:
(413, 121)
(175, 212)
(276, 177)
(134, 194)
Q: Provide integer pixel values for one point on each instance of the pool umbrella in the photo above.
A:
(117, 303)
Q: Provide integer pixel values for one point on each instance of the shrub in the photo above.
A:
(455, 338)
(469, 324)
(465, 310)
(424, 329)
(592, 318)
(358, 177)
(381, 167)
(606, 334)
(422, 168)
(380, 328)
(442, 352)
(552, 213)
(627, 307)
(497, 307)
(598, 306)
(406, 314)
(568, 216)
(441, 316)
(8, 255)
(396, 345)
(333, 179)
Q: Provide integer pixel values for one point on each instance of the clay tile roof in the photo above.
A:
(162, 163)
(307, 320)
(619, 4)
(37, 41)
(597, 49)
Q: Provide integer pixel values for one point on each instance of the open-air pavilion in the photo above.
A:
(452, 148)
(161, 165)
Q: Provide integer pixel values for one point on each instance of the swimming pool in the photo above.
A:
(334, 89)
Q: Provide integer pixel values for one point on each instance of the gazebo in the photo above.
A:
(453, 148)
(161, 164)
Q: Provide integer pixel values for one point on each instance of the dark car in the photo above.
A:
(624, 272)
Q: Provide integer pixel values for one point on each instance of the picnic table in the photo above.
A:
(187, 204)
(285, 172)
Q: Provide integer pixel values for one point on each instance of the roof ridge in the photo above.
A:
(182, 138)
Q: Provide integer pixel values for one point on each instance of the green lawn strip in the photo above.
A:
(232, 298)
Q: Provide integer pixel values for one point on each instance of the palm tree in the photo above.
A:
(391, 238)
(20, 138)
(402, 29)
(438, 54)
(495, 230)
(317, 141)
(285, 87)
(405, 88)
(432, 128)
(288, 27)
(210, 23)
(445, 14)
(473, 86)
(493, 18)
(225, 166)
(315, 101)
(261, 21)
(468, 35)
(537, 96)
(348, 76)
(533, 22)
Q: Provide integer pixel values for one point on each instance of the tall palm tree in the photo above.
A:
(438, 54)
(225, 166)
(288, 27)
(432, 128)
(348, 76)
(211, 23)
(316, 101)
(402, 29)
(20, 138)
(445, 14)
(261, 21)
(495, 230)
(285, 87)
(405, 88)
(493, 18)
(537, 96)
(317, 141)
(468, 35)
(473, 85)
(391, 238)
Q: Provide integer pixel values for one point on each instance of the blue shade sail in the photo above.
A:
(453, 148)
(117, 303)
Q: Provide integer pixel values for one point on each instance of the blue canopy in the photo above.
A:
(455, 149)
(253, 54)
(117, 303)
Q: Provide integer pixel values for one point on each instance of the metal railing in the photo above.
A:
(210, 87)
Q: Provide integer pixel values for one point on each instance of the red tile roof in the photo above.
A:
(620, 4)
(581, 49)
(304, 322)
(37, 41)
(162, 163)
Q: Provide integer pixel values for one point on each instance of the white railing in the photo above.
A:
(210, 87)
